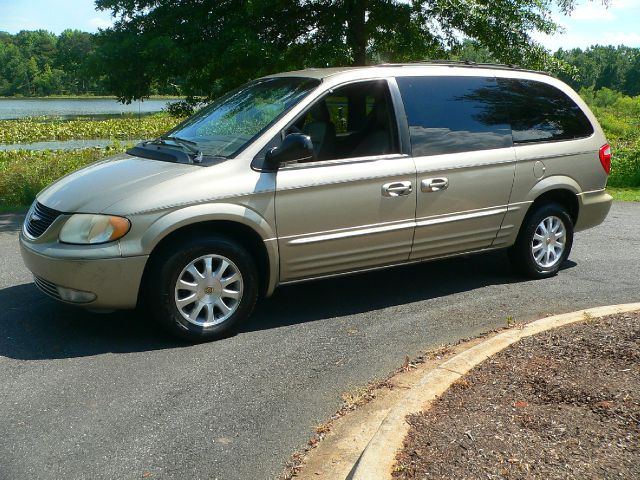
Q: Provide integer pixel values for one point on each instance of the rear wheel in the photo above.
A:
(544, 241)
(202, 289)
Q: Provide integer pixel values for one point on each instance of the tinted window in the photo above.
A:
(542, 113)
(453, 114)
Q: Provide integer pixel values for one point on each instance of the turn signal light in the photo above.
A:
(605, 158)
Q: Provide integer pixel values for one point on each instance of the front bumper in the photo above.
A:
(114, 281)
(593, 209)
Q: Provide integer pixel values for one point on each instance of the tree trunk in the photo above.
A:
(357, 31)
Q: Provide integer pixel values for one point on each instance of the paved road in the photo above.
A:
(103, 397)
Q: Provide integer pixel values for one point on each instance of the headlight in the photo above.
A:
(84, 228)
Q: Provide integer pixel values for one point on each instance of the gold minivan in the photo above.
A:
(323, 172)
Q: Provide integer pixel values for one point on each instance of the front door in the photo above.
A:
(462, 147)
(353, 206)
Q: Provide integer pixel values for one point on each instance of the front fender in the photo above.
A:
(164, 225)
(183, 217)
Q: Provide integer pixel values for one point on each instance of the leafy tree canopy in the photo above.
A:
(204, 47)
(41, 63)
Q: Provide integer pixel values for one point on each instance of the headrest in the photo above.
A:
(320, 113)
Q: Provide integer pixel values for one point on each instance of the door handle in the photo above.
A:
(434, 184)
(396, 189)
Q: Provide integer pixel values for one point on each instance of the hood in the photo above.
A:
(94, 188)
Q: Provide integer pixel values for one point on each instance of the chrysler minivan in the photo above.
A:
(323, 172)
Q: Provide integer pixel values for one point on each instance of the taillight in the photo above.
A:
(605, 157)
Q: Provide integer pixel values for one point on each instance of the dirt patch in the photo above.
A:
(561, 404)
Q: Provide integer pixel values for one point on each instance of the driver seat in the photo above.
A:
(321, 131)
(377, 139)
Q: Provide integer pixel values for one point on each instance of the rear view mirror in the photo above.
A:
(294, 147)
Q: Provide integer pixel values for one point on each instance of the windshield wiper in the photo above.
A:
(183, 142)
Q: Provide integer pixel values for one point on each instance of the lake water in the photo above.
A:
(12, 108)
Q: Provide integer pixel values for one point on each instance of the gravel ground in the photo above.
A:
(564, 404)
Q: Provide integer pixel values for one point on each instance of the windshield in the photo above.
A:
(231, 122)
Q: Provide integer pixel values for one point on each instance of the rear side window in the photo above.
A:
(541, 113)
(454, 114)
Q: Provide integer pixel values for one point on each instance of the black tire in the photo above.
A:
(167, 266)
(521, 253)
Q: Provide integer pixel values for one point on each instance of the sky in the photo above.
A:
(589, 24)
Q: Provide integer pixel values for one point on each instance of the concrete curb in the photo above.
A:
(378, 457)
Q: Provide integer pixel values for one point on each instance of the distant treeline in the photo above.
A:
(39, 63)
(597, 67)
(615, 68)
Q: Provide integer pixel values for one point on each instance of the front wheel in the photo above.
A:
(544, 241)
(202, 289)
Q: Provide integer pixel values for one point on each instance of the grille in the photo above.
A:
(47, 287)
(40, 219)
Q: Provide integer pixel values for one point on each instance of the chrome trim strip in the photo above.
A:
(352, 233)
(462, 216)
(339, 234)
(592, 191)
(347, 229)
(512, 207)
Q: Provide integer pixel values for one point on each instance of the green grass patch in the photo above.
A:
(619, 117)
(13, 209)
(23, 173)
(29, 130)
(631, 194)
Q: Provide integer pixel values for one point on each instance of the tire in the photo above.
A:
(209, 307)
(529, 254)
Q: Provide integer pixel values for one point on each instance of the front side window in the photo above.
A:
(454, 114)
(541, 113)
(228, 124)
(356, 120)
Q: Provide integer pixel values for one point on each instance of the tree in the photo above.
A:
(206, 46)
(73, 49)
(598, 67)
(632, 81)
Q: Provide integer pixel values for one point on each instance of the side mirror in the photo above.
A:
(294, 147)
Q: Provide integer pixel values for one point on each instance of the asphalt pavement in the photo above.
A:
(86, 395)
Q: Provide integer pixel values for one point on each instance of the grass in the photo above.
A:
(24, 173)
(629, 194)
(28, 130)
(15, 209)
(619, 117)
(86, 96)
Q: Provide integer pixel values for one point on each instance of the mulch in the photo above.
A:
(564, 404)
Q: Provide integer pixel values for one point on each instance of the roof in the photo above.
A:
(321, 73)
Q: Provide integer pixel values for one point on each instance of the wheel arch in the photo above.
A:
(241, 224)
(562, 190)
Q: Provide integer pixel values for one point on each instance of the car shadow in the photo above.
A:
(34, 327)
(11, 222)
(354, 294)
